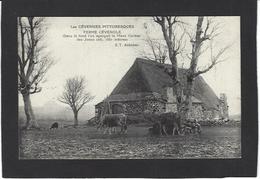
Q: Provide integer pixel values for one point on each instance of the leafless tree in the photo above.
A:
(75, 95)
(175, 45)
(158, 50)
(33, 62)
(202, 35)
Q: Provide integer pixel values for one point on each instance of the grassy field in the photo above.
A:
(88, 143)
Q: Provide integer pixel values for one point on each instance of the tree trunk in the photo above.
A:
(188, 96)
(196, 48)
(177, 89)
(30, 117)
(174, 67)
(76, 122)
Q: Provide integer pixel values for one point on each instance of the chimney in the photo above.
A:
(171, 105)
(223, 106)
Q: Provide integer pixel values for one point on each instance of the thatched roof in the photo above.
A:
(148, 78)
(142, 96)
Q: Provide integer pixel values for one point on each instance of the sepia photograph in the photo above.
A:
(129, 87)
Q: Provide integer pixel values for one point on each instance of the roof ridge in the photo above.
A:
(142, 60)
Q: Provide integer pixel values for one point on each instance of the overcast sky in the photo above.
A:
(103, 64)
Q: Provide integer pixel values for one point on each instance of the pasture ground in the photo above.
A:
(86, 142)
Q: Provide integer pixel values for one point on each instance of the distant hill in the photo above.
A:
(52, 110)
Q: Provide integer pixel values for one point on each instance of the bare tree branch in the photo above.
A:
(159, 51)
(168, 28)
(32, 60)
(75, 94)
(214, 61)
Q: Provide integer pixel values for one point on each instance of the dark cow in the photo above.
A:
(55, 125)
(155, 129)
(166, 123)
(170, 123)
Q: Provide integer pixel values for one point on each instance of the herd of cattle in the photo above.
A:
(162, 124)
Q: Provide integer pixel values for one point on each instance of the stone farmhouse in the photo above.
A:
(148, 86)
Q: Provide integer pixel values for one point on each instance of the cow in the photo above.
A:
(55, 125)
(168, 123)
(111, 121)
(155, 129)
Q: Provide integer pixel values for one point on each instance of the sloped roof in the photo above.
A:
(149, 77)
(142, 96)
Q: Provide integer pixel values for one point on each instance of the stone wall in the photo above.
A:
(153, 105)
(199, 113)
(137, 107)
(134, 107)
(210, 114)
(196, 112)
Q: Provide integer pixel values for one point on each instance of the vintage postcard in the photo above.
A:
(129, 87)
